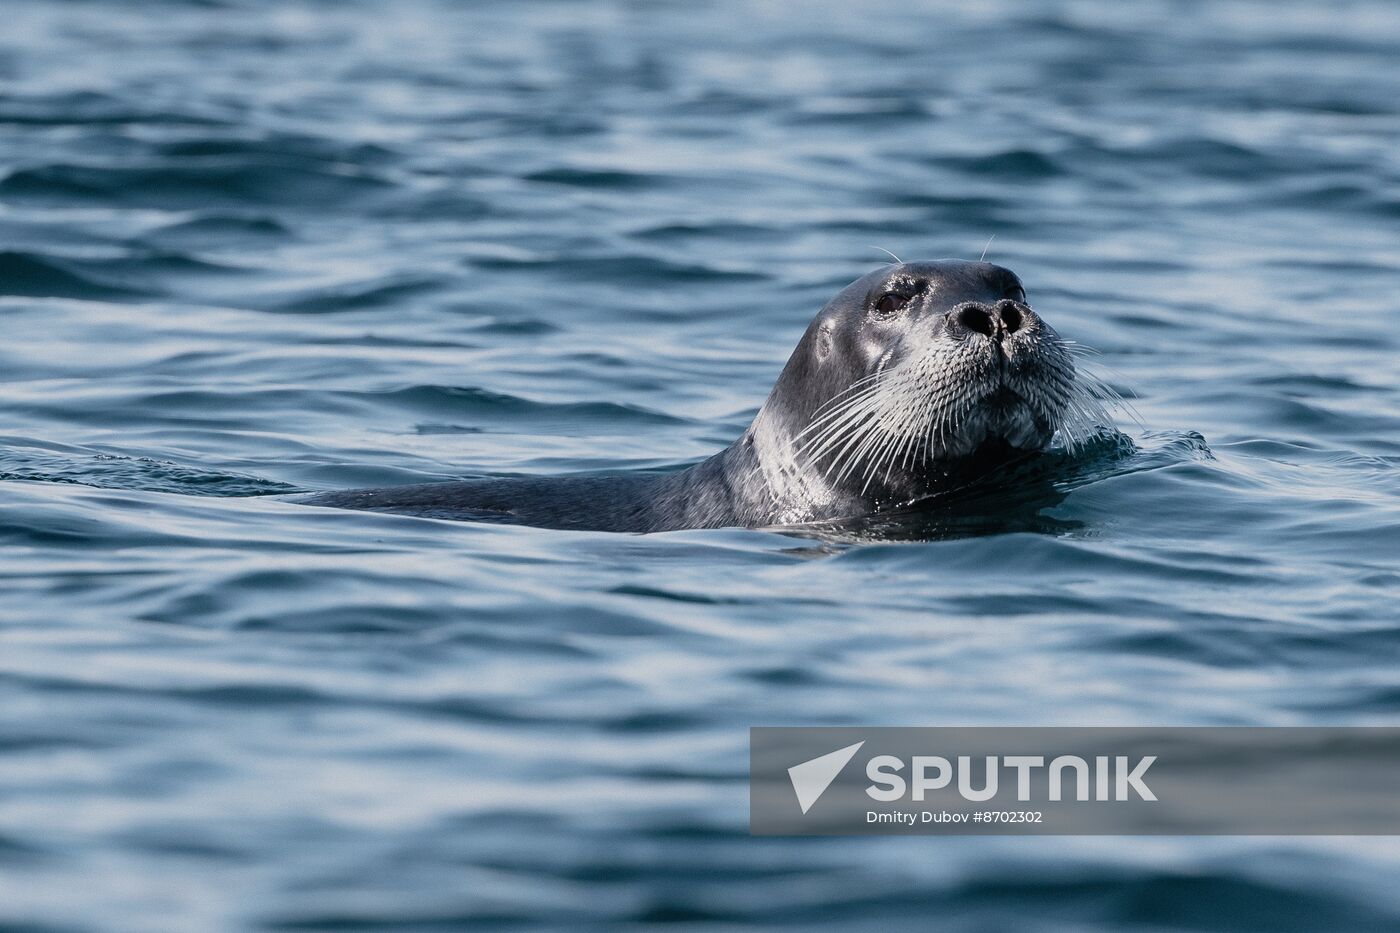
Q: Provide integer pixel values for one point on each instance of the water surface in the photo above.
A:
(253, 248)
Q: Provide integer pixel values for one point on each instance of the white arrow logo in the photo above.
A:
(811, 778)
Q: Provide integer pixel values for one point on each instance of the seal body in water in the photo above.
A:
(913, 374)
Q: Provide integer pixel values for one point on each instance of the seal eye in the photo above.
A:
(1016, 293)
(890, 303)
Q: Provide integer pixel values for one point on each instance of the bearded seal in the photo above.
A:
(912, 374)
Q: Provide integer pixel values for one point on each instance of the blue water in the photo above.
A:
(253, 248)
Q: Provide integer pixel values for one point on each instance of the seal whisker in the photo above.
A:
(858, 407)
(857, 447)
(841, 401)
(891, 255)
(1095, 389)
(896, 441)
(863, 424)
(872, 438)
(848, 451)
(847, 406)
(921, 424)
(850, 416)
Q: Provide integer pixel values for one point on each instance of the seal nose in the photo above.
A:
(998, 321)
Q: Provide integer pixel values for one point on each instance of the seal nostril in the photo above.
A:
(1010, 316)
(975, 317)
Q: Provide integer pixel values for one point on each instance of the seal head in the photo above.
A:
(911, 373)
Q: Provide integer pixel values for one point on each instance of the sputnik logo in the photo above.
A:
(811, 778)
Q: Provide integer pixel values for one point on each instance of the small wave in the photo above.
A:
(311, 149)
(218, 228)
(862, 110)
(109, 471)
(1198, 155)
(1011, 165)
(183, 186)
(80, 108)
(136, 273)
(1338, 196)
(430, 428)
(627, 269)
(516, 327)
(1113, 454)
(441, 399)
(963, 211)
(36, 276)
(359, 296)
(1017, 497)
(722, 229)
(599, 178)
